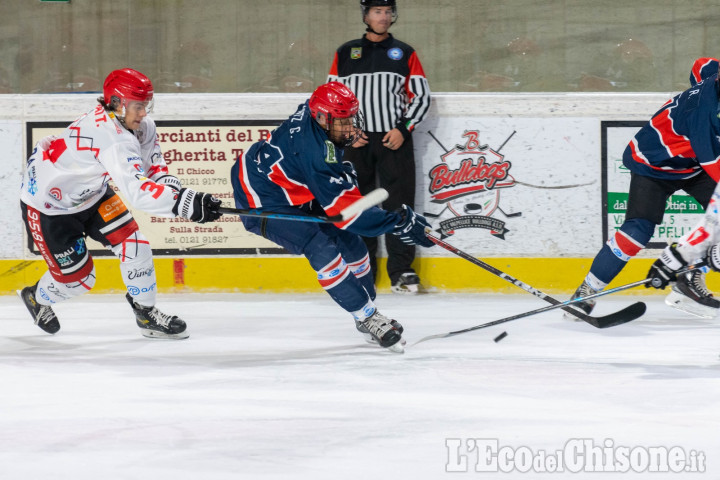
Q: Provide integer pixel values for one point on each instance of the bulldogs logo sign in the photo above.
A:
(468, 182)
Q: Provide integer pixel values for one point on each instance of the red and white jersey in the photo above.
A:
(69, 173)
(694, 244)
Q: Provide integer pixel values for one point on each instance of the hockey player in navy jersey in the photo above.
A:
(300, 169)
(679, 148)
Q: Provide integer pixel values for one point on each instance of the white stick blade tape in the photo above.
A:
(373, 198)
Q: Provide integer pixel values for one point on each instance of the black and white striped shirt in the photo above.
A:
(388, 80)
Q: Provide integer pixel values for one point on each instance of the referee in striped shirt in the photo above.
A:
(386, 76)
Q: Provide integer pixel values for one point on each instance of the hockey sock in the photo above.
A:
(342, 286)
(137, 268)
(364, 312)
(361, 270)
(621, 247)
(49, 290)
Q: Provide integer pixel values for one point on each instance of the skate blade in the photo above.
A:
(43, 327)
(406, 290)
(399, 347)
(371, 341)
(166, 336)
(684, 304)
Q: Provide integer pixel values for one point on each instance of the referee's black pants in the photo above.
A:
(394, 170)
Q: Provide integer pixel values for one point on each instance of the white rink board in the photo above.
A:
(11, 161)
(556, 171)
(556, 143)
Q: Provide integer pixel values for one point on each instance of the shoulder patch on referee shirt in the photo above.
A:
(330, 157)
(395, 53)
(356, 53)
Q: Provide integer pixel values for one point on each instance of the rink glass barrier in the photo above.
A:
(244, 46)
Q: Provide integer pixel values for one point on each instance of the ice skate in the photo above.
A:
(383, 331)
(42, 314)
(155, 324)
(586, 306)
(369, 338)
(407, 284)
(690, 295)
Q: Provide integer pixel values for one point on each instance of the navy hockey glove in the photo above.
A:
(197, 206)
(411, 228)
(665, 268)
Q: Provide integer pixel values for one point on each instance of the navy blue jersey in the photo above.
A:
(683, 137)
(298, 165)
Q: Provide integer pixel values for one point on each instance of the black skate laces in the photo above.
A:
(697, 279)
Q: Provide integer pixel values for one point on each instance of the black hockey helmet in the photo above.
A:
(366, 4)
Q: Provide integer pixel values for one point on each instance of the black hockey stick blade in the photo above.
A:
(367, 201)
(627, 314)
(630, 313)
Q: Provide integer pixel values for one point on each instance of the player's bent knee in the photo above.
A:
(134, 250)
(69, 288)
(333, 273)
(632, 237)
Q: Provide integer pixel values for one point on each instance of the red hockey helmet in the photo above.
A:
(335, 100)
(125, 85)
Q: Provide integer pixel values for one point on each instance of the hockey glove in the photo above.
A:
(665, 268)
(170, 181)
(411, 228)
(197, 206)
(712, 259)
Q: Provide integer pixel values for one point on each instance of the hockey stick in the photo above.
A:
(639, 307)
(625, 315)
(367, 201)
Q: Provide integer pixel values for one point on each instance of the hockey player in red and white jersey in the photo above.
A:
(65, 198)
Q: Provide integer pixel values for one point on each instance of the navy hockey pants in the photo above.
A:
(340, 258)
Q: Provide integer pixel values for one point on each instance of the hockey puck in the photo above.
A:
(500, 337)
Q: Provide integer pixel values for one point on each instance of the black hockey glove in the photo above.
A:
(712, 259)
(197, 206)
(665, 268)
(411, 228)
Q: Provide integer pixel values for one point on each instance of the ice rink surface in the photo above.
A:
(283, 387)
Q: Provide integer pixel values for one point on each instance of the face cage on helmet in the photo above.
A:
(358, 123)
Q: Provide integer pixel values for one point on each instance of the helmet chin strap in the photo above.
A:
(120, 118)
(370, 30)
